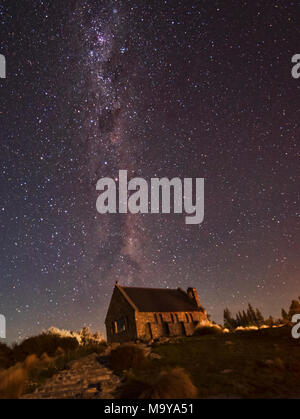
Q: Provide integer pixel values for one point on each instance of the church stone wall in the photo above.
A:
(120, 311)
(124, 323)
(154, 325)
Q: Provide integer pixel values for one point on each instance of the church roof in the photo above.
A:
(159, 299)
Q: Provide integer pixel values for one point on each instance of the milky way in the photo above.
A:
(105, 114)
(161, 89)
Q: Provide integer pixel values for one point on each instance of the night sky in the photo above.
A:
(161, 89)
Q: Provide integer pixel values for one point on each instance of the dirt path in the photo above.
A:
(86, 378)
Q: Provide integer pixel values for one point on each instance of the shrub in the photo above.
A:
(38, 358)
(134, 388)
(173, 384)
(83, 336)
(45, 359)
(59, 352)
(127, 356)
(208, 330)
(43, 343)
(31, 362)
(13, 381)
(6, 356)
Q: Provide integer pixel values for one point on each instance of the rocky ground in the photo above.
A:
(86, 378)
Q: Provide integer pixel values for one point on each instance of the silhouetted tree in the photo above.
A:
(294, 308)
(251, 315)
(239, 319)
(229, 321)
(270, 321)
(245, 321)
(284, 315)
(259, 317)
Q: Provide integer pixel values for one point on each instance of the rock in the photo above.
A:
(86, 378)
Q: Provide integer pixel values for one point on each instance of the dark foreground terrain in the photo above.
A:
(244, 364)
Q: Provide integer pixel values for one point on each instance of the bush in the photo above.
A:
(37, 358)
(45, 359)
(13, 381)
(44, 342)
(174, 384)
(134, 388)
(83, 336)
(31, 362)
(6, 356)
(208, 330)
(127, 356)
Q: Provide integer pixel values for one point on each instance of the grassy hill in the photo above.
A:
(247, 364)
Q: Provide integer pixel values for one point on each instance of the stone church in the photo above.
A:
(149, 313)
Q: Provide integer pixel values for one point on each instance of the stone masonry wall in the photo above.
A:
(120, 309)
(155, 325)
(124, 324)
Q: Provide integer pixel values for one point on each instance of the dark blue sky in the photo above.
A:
(162, 89)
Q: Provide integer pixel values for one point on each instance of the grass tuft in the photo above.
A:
(127, 356)
(174, 383)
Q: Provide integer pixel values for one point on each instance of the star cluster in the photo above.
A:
(160, 88)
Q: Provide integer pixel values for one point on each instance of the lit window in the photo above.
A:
(120, 325)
